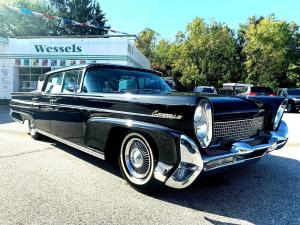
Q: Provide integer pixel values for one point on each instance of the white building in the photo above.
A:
(23, 60)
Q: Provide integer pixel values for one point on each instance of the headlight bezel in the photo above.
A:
(279, 114)
(203, 116)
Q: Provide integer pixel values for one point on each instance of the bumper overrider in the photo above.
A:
(192, 163)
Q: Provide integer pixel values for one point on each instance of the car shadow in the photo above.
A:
(109, 166)
(267, 192)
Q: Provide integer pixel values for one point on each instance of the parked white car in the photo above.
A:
(205, 89)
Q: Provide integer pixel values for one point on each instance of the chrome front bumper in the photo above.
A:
(192, 163)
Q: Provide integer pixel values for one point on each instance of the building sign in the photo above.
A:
(4, 76)
(58, 49)
(4, 79)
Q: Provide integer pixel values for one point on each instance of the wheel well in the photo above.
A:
(114, 141)
(115, 138)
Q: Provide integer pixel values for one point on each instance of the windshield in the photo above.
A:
(111, 80)
(293, 92)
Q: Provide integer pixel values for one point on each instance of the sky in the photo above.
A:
(167, 17)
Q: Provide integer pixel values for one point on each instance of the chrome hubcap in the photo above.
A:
(137, 158)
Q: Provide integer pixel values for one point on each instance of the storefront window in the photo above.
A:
(28, 77)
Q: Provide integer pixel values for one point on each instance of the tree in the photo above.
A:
(13, 24)
(146, 42)
(269, 50)
(207, 54)
(80, 11)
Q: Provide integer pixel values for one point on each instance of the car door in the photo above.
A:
(42, 102)
(66, 121)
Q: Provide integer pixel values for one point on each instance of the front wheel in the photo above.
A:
(136, 162)
(32, 130)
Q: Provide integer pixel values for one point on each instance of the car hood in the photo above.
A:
(235, 107)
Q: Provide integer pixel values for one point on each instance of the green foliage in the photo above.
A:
(205, 54)
(13, 24)
(263, 53)
(269, 51)
(146, 42)
(80, 11)
(208, 54)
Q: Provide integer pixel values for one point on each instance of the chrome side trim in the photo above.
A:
(16, 120)
(190, 165)
(84, 149)
(76, 107)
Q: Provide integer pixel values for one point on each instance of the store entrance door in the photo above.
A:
(28, 77)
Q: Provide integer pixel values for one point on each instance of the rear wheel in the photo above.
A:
(32, 130)
(137, 161)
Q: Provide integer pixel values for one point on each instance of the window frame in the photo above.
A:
(102, 93)
(46, 82)
(83, 70)
(79, 81)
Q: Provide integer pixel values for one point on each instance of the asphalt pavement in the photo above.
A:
(44, 182)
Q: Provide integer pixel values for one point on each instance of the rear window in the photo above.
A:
(261, 89)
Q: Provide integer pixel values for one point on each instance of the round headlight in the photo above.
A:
(203, 123)
(279, 114)
(202, 130)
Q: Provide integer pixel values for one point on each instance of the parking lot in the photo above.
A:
(44, 182)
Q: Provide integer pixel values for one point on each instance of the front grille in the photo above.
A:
(228, 131)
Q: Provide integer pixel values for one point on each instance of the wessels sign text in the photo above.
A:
(57, 49)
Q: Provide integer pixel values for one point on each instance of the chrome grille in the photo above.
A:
(237, 130)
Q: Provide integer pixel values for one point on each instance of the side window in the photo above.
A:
(99, 81)
(71, 82)
(54, 83)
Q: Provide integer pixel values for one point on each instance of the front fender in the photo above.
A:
(99, 130)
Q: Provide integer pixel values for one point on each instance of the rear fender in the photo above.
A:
(20, 116)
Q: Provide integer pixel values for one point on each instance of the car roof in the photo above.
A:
(261, 87)
(237, 85)
(205, 87)
(103, 65)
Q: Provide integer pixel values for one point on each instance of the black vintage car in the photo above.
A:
(158, 135)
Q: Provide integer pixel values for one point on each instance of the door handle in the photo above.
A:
(53, 100)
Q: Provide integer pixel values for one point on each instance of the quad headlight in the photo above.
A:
(203, 123)
(279, 114)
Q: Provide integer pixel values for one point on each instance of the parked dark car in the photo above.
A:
(293, 96)
(159, 136)
(259, 91)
